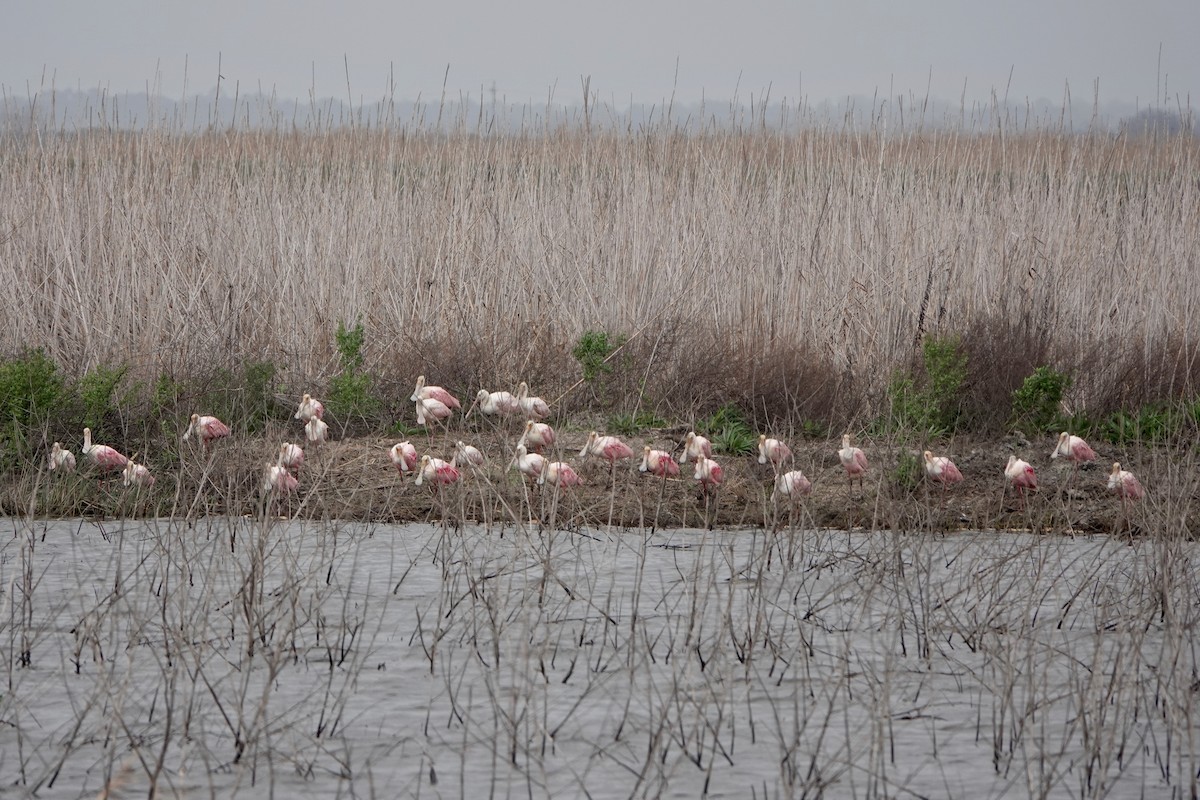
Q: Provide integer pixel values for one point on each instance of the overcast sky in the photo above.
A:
(630, 48)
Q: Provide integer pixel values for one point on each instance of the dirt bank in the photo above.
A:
(352, 479)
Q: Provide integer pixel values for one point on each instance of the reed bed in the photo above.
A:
(806, 266)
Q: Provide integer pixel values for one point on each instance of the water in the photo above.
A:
(237, 658)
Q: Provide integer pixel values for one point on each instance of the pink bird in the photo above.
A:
(309, 408)
(610, 448)
(436, 471)
(316, 431)
(136, 475)
(559, 473)
(539, 435)
(695, 446)
(854, 461)
(709, 473)
(423, 392)
(403, 456)
(658, 462)
(528, 464)
(60, 459)
(101, 455)
(772, 450)
(277, 480)
(497, 403)
(1125, 485)
(206, 429)
(531, 407)
(291, 457)
(1073, 449)
(467, 454)
(1021, 475)
(792, 486)
(942, 470)
(430, 408)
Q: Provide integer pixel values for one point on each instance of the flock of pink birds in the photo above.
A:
(434, 403)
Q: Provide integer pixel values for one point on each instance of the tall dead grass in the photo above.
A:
(481, 259)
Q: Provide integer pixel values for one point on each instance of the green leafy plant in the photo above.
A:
(1150, 424)
(811, 429)
(728, 431)
(31, 388)
(1035, 404)
(928, 404)
(259, 394)
(633, 424)
(907, 473)
(97, 390)
(350, 392)
(591, 351)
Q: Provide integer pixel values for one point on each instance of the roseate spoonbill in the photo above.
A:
(559, 473)
(772, 450)
(497, 403)
(423, 392)
(1021, 475)
(610, 448)
(436, 471)
(277, 480)
(531, 407)
(136, 474)
(539, 435)
(309, 407)
(291, 457)
(942, 470)
(658, 462)
(467, 454)
(102, 456)
(529, 464)
(429, 408)
(709, 473)
(1073, 449)
(1125, 485)
(60, 458)
(316, 431)
(205, 429)
(791, 486)
(403, 456)
(695, 446)
(854, 461)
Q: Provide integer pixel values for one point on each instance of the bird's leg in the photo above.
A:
(612, 496)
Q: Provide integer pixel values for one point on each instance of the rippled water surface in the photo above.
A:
(235, 657)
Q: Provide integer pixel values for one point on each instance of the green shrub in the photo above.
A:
(1035, 404)
(96, 391)
(591, 351)
(31, 389)
(259, 394)
(928, 404)
(350, 391)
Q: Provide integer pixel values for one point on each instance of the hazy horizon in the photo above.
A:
(631, 53)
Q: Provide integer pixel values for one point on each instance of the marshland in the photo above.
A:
(971, 292)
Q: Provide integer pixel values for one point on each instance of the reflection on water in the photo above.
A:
(315, 658)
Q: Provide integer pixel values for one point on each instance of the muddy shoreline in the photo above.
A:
(352, 479)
